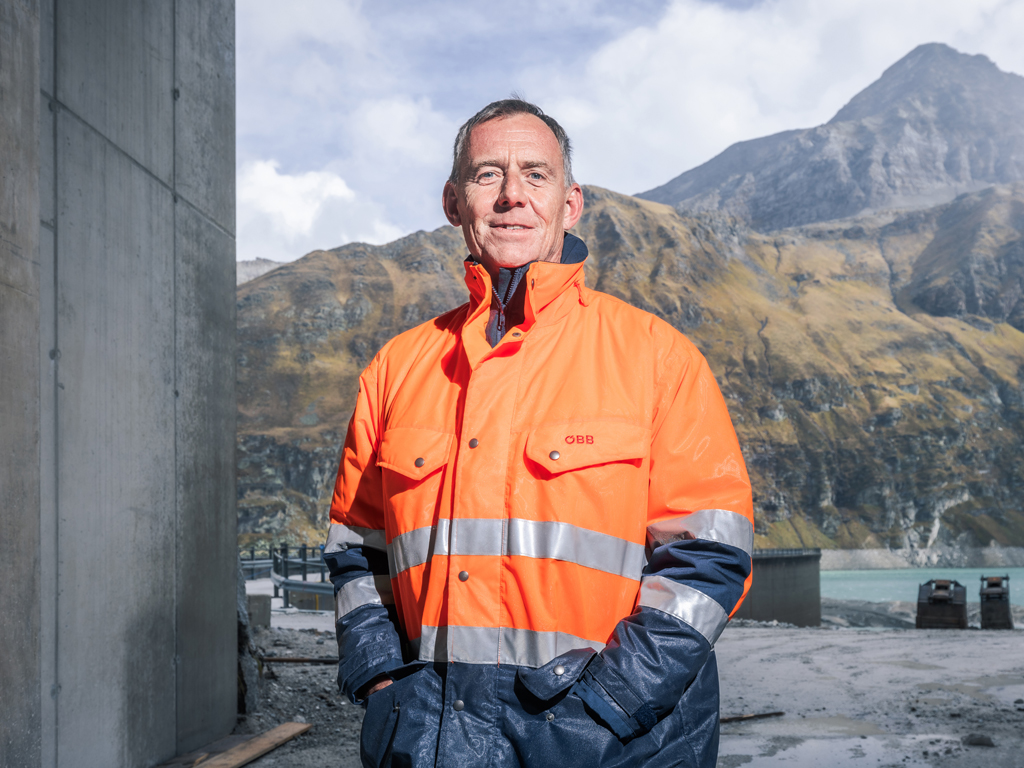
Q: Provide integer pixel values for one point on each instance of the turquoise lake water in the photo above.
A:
(889, 585)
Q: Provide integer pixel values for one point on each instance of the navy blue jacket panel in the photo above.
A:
(482, 716)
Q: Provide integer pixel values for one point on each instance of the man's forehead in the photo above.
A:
(514, 131)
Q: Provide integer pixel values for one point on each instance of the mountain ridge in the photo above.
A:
(936, 124)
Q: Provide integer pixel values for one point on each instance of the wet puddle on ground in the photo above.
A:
(791, 751)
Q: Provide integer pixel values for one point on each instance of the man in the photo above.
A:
(542, 519)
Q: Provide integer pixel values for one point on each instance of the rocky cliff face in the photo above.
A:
(873, 366)
(936, 124)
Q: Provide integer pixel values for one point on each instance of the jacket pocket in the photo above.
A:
(557, 675)
(380, 723)
(561, 448)
(412, 465)
(549, 725)
(412, 452)
(590, 474)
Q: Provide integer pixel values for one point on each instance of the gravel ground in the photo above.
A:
(872, 697)
(882, 696)
(304, 693)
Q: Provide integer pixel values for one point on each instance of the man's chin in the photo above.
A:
(506, 260)
(510, 258)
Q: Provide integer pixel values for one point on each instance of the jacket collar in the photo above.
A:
(545, 281)
(551, 291)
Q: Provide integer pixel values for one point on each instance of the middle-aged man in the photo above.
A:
(542, 518)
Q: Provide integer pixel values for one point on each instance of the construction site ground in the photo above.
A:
(855, 692)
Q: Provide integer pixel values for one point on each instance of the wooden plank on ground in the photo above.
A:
(256, 747)
(193, 759)
(739, 718)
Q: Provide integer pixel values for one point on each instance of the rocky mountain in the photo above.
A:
(873, 366)
(937, 123)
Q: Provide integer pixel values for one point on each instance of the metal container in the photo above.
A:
(995, 603)
(942, 604)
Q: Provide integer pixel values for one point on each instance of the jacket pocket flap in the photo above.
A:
(545, 682)
(563, 447)
(414, 452)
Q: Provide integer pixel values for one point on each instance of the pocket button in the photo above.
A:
(459, 705)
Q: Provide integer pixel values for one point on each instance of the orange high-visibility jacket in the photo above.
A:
(519, 491)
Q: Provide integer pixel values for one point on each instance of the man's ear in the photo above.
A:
(450, 204)
(573, 207)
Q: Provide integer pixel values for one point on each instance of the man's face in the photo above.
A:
(511, 201)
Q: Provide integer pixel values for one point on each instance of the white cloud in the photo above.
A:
(275, 26)
(662, 99)
(291, 203)
(404, 129)
(360, 101)
(323, 90)
(282, 217)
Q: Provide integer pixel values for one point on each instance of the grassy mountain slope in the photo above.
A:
(871, 412)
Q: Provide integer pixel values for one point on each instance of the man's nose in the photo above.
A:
(513, 192)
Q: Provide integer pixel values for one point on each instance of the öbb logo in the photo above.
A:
(588, 439)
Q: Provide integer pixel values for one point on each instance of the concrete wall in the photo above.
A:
(19, 384)
(937, 556)
(125, 528)
(786, 587)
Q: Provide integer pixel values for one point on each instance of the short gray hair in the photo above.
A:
(507, 108)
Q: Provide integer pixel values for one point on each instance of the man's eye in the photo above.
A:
(537, 176)
(487, 175)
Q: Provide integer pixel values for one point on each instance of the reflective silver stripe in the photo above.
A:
(719, 525)
(687, 604)
(491, 645)
(341, 537)
(366, 590)
(417, 546)
(572, 544)
(521, 538)
(477, 536)
(528, 648)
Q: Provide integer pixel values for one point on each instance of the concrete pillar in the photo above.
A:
(117, 383)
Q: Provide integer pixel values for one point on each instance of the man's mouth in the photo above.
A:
(510, 226)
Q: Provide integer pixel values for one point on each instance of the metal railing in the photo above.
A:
(291, 569)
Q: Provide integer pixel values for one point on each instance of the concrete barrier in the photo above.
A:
(786, 587)
(259, 610)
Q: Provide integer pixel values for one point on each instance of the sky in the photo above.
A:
(346, 110)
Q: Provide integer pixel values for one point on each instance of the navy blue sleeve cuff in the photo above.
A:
(359, 680)
(368, 645)
(615, 702)
(610, 715)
